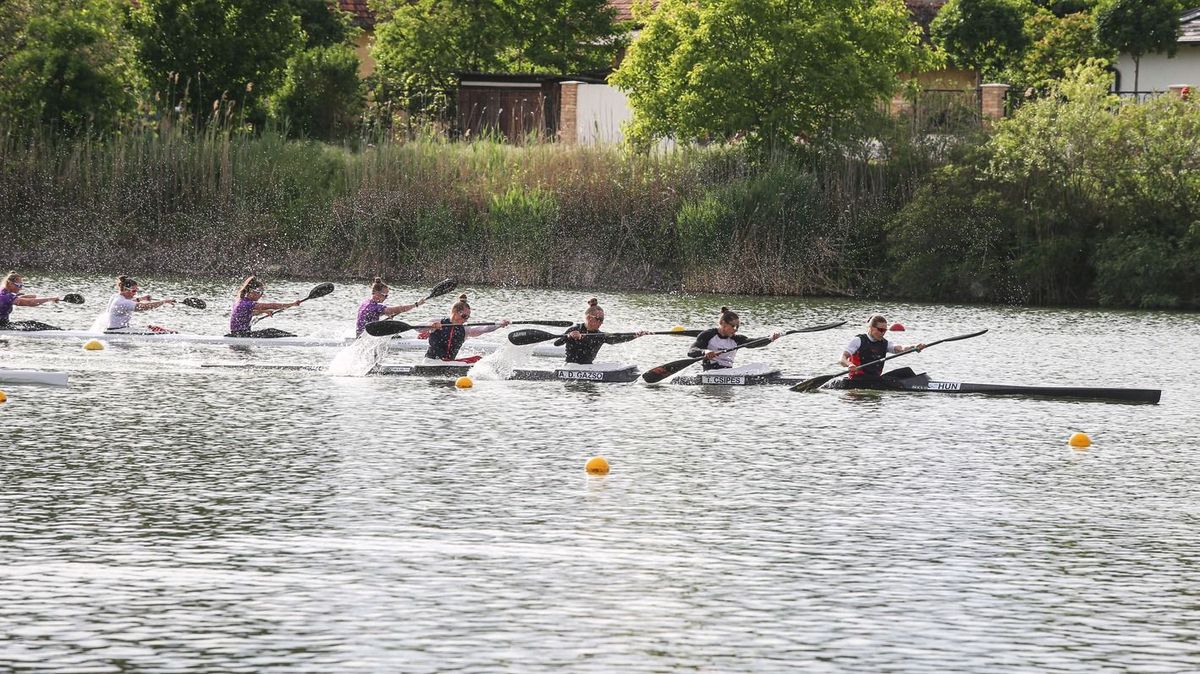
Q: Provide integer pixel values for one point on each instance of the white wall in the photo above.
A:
(1159, 72)
(600, 112)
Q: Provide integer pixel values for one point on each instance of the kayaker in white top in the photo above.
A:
(125, 302)
(710, 342)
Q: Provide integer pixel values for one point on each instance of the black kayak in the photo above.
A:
(922, 383)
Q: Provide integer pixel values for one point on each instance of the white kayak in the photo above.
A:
(400, 344)
(48, 378)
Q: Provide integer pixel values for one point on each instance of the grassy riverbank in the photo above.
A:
(1080, 199)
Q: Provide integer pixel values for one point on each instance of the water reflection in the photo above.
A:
(158, 515)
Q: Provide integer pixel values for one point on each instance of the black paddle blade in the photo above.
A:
(657, 374)
(387, 328)
(813, 384)
(529, 336)
(195, 303)
(817, 328)
(73, 298)
(320, 290)
(442, 288)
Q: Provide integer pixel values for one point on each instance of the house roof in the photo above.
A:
(1189, 26)
(363, 16)
(923, 11)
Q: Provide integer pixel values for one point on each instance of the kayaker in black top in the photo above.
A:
(872, 346)
(582, 350)
(446, 336)
(722, 337)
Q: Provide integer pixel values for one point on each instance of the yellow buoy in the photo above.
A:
(94, 345)
(677, 328)
(1080, 440)
(3, 396)
(464, 382)
(597, 465)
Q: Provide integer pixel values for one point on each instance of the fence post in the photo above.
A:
(992, 101)
(568, 112)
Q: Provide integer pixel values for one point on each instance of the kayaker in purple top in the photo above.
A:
(10, 296)
(248, 305)
(373, 308)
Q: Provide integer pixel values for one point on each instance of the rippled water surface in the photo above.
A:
(158, 515)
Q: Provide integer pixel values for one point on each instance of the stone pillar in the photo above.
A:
(992, 101)
(568, 112)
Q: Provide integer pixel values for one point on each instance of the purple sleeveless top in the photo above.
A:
(7, 297)
(368, 312)
(239, 318)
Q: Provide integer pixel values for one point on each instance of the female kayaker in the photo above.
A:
(446, 336)
(10, 296)
(125, 302)
(373, 308)
(870, 346)
(722, 337)
(247, 305)
(582, 350)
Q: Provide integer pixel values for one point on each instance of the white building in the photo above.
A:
(1158, 71)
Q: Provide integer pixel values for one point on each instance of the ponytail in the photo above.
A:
(594, 308)
(728, 317)
(377, 285)
(125, 283)
(460, 305)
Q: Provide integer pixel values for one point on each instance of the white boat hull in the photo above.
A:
(44, 377)
(399, 344)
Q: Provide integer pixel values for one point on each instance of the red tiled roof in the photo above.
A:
(624, 9)
(363, 16)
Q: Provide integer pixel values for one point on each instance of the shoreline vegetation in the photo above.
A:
(1080, 198)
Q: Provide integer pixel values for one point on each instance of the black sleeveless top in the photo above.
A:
(445, 342)
(867, 352)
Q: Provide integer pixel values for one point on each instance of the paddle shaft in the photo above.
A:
(317, 291)
(817, 382)
(527, 337)
(665, 370)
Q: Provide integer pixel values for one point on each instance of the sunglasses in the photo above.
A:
(881, 328)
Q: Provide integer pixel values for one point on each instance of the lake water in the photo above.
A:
(157, 515)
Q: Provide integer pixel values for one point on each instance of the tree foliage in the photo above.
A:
(321, 96)
(66, 65)
(768, 70)
(216, 54)
(421, 45)
(1056, 46)
(984, 35)
(1139, 27)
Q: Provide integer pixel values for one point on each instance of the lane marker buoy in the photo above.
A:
(94, 345)
(597, 465)
(464, 382)
(3, 396)
(1080, 440)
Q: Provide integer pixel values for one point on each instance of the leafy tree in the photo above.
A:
(567, 36)
(1062, 8)
(221, 51)
(985, 35)
(321, 95)
(768, 70)
(1139, 27)
(1058, 45)
(324, 24)
(420, 45)
(67, 65)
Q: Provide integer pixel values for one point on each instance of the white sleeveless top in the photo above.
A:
(120, 310)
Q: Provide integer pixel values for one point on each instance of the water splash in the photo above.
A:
(363, 355)
(497, 365)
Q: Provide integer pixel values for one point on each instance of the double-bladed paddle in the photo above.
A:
(441, 289)
(319, 290)
(73, 298)
(194, 302)
(817, 382)
(657, 374)
(531, 336)
(389, 327)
